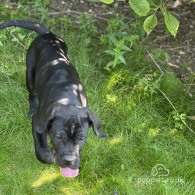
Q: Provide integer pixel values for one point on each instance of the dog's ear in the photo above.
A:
(95, 123)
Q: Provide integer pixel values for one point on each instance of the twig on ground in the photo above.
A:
(76, 14)
(155, 63)
(173, 65)
(191, 117)
(18, 40)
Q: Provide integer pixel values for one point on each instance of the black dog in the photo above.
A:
(57, 99)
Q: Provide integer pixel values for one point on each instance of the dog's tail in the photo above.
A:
(40, 29)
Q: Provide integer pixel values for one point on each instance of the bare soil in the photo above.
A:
(181, 49)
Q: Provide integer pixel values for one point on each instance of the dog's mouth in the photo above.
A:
(67, 169)
(68, 172)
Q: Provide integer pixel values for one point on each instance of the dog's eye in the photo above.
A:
(58, 135)
(61, 135)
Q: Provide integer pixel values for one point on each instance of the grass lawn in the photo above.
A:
(148, 149)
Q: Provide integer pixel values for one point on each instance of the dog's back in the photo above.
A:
(54, 74)
(48, 48)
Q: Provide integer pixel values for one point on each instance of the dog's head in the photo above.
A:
(68, 133)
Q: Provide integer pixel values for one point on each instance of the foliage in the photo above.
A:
(171, 23)
(86, 25)
(117, 52)
(141, 8)
(107, 1)
(146, 7)
(119, 40)
(150, 23)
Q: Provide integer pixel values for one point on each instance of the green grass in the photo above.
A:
(140, 123)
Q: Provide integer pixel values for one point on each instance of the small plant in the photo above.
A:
(119, 41)
(18, 35)
(178, 118)
(119, 49)
(41, 7)
(147, 85)
(86, 25)
(117, 52)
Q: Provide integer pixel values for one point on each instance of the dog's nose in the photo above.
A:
(68, 158)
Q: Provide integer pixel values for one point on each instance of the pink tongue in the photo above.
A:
(68, 172)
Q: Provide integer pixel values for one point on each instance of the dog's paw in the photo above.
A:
(33, 108)
(29, 115)
(31, 112)
(45, 156)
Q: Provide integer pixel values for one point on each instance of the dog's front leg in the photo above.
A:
(43, 153)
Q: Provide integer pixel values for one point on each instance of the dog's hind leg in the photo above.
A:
(30, 81)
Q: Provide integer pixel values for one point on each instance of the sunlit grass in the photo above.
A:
(115, 140)
(45, 178)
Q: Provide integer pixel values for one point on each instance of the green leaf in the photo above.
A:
(21, 36)
(110, 64)
(172, 23)
(126, 48)
(14, 40)
(113, 39)
(122, 59)
(132, 37)
(107, 1)
(110, 52)
(16, 29)
(150, 23)
(140, 7)
(1, 44)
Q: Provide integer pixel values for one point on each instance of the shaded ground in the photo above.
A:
(181, 50)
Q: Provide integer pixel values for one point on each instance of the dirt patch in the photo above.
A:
(180, 49)
(100, 12)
